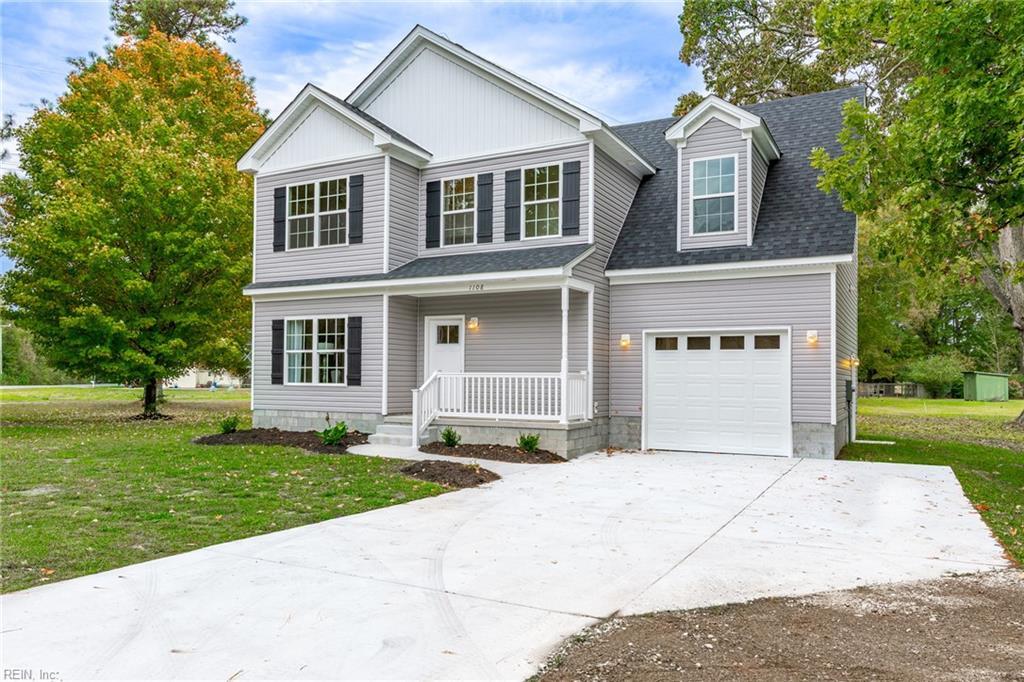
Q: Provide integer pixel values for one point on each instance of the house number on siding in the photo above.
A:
(476, 287)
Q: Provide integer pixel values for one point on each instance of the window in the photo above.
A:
(698, 343)
(323, 360)
(447, 333)
(731, 343)
(458, 208)
(318, 214)
(540, 201)
(666, 343)
(714, 195)
(766, 342)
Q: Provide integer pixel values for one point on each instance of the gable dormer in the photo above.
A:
(722, 156)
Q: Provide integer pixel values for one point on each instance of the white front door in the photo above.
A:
(445, 345)
(718, 392)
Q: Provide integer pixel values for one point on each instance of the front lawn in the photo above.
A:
(86, 490)
(15, 394)
(975, 439)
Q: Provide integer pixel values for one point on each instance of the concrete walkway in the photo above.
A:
(483, 583)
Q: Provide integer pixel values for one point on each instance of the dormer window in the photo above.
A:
(713, 192)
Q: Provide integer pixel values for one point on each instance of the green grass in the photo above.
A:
(977, 440)
(57, 393)
(85, 490)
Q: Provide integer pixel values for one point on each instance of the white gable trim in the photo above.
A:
(296, 112)
(761, 268)
(730, 114)
(586, 121)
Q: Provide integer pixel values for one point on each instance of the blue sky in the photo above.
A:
(618, 58)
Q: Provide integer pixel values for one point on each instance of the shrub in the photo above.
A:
(229, 424)
(450, 437)
(528, 442)
(937, 373)
(333, 435)
(1016, 386)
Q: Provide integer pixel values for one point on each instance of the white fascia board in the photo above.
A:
(763, 268)
(617, 148)
(307, 98)
(716, 107)
(424, 286)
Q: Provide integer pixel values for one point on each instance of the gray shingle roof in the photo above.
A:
(503, 260)
(796, 219)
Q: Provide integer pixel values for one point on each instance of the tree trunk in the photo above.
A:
(149, 398)
(1005, 280)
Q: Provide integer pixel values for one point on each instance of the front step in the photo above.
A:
(396, 429)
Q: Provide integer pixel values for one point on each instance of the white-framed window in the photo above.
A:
(541, 196)
(314, 350)
(318, 214)
(713, 195)
(458, 211)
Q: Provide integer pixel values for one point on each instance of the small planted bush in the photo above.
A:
(229, 424)
(450, 437)
(528, 442)
(334, 435)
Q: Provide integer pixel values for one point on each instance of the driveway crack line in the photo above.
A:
(708, 538)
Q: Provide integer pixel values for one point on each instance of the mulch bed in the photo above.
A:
(957, 628)
(307, 440)
(497, 453)
(450, 474)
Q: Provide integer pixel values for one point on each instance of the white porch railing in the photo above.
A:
(483, 395)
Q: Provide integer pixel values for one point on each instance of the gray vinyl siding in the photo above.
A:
(846, 341)
(402, 334)
(713, 139)
(405, 210)
(798, 301)
(498, 166)
(519, 331)
(614, 189)
(312, 397)
(758, 175)
(349, 259)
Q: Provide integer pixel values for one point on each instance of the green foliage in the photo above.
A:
(528, 442)
(949, 158)
(229, 424)
(196, 20)
(450, 437)
(22, 364)
(937, 373)
(130, 229)
(755, 50)
(334, 435)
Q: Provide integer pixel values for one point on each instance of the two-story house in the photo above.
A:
(452, 244)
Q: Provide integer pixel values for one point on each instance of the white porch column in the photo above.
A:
(565, 355)
(590, 354)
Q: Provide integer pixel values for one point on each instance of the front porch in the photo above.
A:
(492, 366)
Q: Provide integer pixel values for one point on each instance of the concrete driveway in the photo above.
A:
(483, 583)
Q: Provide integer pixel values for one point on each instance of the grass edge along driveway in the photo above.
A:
(85, 490)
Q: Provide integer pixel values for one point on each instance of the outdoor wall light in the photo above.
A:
(473, 324)
(854, 361)
(812, 336)
(624, 341)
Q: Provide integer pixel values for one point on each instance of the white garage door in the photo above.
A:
(718, 392)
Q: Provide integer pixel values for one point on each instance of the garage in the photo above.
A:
(718, 391)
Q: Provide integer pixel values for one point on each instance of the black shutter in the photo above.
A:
(433, 214)
(355, 209)
(280, 217)
(571, 198)
(354, 350)
(277, 351)
(484, 207)
(512, 203)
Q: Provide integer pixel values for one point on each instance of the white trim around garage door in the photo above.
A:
(788, 330)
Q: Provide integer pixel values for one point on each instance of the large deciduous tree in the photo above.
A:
(196, 20)
(756, 50)
(129, 226)
(948, 157)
